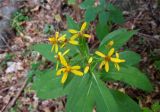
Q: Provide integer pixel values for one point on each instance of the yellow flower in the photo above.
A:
(79, 33)
(86, 69)
(58, 57)
(67, 69)
(55, 41)
(107, 58)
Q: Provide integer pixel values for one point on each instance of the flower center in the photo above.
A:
(80, 34)
(54, 41)
(68, 68)
(107, 58)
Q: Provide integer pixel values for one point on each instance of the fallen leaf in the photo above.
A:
(13, 67)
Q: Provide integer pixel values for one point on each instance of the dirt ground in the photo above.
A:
(13, 91)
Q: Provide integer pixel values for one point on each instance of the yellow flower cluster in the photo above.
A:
(79, 33)
(57, 41)
(109, 58)
(66, 67)
(62, 40)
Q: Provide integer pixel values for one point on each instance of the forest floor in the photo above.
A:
(44, 20)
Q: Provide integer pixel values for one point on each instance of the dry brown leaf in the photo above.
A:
(49, 1)
(35, 8)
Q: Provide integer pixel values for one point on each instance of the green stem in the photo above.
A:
(84, 47)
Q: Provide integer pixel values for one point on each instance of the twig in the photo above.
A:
(6, 88)
(13, 101)
(149, 37)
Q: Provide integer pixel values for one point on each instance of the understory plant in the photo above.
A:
(18, 18)
(81, 73)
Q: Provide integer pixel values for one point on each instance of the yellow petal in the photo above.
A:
(76, 67)
(51, 39)
(66, 52)
(90, 60)
(62, 38)
(117, 55)
(117, 60)
(63, 61)
(52, 47)
(57, 34)
(110, 53)
(73, 31)
(86, 69)
(106, 66)
(74, 42)
(64, 78)
(102, 64)
(100, 54)
(56, 48)
(117, 66)
(59, 72)
(110, 43)
(86, 35)
(74, 37)
(76, 72)
(63, 45)
(83, 27)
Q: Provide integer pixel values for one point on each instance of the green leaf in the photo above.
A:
(105, 101)
(126, 104)
(71, 1)
(80, 96)
(130, 57)
(90, 14)
(71, 24)
(131, 76)
(120, 37)
(87, 92)
(87, 4)
(101, 31)
(47, 85)
(103, 18)
(115, 14)
(44, 50)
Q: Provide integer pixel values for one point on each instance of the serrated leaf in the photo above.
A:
(90, 14)
(47, 85)
(130, 57)
(103, 17)
(125, 103)
(87, 4)
(120, 37)
(131, 76)
(76, 97)
(115, 14)
(104, 100)
(44, 50)
(101, 31)
(71, 24)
